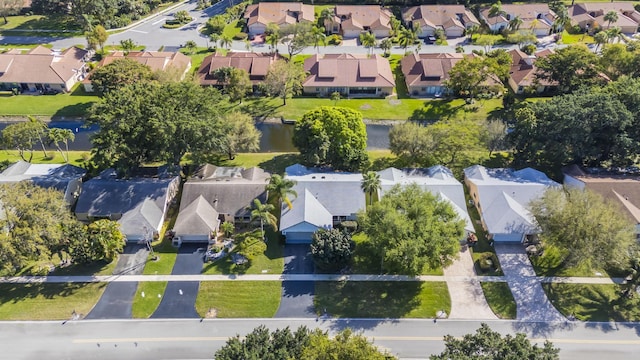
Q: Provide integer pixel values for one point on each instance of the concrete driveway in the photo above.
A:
(180, 296)
(297, 296)
(115, 302)
(531, 300)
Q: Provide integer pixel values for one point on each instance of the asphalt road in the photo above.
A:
(195, 339)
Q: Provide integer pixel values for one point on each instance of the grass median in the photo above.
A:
(382, 299)
(238, 299)
(144, 306)
(48, 301)
(500, 299)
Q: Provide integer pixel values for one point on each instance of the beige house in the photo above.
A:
(156, 60)
(522, 75)
(258, 16)
(255, 64)
(536, 17)
(425, 74)
(453, 19)
(591, 16)
(349, 74)
(352, 20)
(42, 69)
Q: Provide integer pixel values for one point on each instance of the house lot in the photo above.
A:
(325, 199)
(255, 64)
(502, 197)
(452, 19)
(591, 16)
(42, 69)
(522, 75)
(425, 74)
(352, 20)
(535, 17)
(258, 16)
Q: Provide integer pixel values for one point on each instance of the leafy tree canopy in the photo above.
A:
(119, 73)
(411, 228)
(489, 344)
(332, 136)
(331, 249)
(571, 67)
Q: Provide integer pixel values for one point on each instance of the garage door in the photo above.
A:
(298, 237)
(508, 237)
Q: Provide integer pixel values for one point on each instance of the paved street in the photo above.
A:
(195, 339)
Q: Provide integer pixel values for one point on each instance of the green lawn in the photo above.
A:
(47, 301)
(271, 262)
(96, 268)
(75, 103)
(198, 56)
(164, 252)
(143, 307)
(569, 39)
(497, 38)
(592, 302)
(500, 299)
(241, 299)
(382, 299)
(366, 261)
(75, 157)
(550, 264)
(232, 29)
(39, 22)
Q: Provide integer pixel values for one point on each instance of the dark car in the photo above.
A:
(430, 40)
(50, 92)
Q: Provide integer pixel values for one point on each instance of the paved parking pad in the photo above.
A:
(297, 296)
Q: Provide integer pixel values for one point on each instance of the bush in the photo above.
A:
(349, 226)
(488, 262)
(216, 24)
(334, 39)
(240, 36)
(171, 26)
(529, 49)
(331, 249)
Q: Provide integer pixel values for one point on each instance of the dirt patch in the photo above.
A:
(365, 107)
(211, 314)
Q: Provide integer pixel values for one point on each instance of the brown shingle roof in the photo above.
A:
(348, 70)
(526, 12)
(41, 65)
(523, 69)
(359, 16)
(428, 69)
(280, 13)
(255, 64)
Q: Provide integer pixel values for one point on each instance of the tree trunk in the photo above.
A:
(66, 146)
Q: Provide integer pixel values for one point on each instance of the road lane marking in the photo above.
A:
(159, 21)
(138, 31)
(375, 338)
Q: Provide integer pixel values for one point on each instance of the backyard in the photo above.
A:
(73, 104)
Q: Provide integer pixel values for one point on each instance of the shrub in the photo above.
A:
(171, 26)
(349, 226)
(334, 39)
(488, 262)
(240, 36)
(529, 49)
(331, 249)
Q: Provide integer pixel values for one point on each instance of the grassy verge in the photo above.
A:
(550, 264)
(75, 103)
(47, 301)
(382, 299)
(75, 157)
(271, 262)
(96, 268)
(592, 302)
(569, 39)
(366, 261)
(232, 29)
(39, 22)
(242, 299)
(164, 251)
(143, 307)
(500, 299)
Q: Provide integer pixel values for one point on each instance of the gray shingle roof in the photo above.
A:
(197, 218)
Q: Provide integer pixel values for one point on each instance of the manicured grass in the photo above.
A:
(274, 162)
(367, 261)
(382, 299)
(232, 29)
(75, 157)
(47, 301)
(39, 22)
(96, 268)
(75, 103)
(500, 299)
(550, 264)
(592, 302)
(241, 299)
(164, 251)
(143, 307)
(375, 109)
(197, 56)
(317, 9)
(569, 39)
(400, 89)
(475, 38)
(24, 47)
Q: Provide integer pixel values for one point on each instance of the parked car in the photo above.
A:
(430, 40)
(50, 92)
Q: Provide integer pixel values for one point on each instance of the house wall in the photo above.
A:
(351, 33)
(427, 91)
(426, 31)
(454, 32)
(347, 91)
(257, 28)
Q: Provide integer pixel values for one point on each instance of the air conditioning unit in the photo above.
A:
(176, 241)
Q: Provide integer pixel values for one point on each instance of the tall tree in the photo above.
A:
(610, 17)
(411, 141)
(10, 7)
(584, 227)
(97, 36)
(280, 188)
(408, 36)
(412, 229)
(333, 136)
(515, 23)
(57, 136)
(105, 239)
(23, 136)
(119, 73)
(488, 344)
(240, 134)
(368, 40)
(386, 45)
(370, 184)
(263, 213)
(296, 37)
(332, 249)
(496, 10)
(318, 36)
(469, 76)
(572, 67)
(127, 45)
(284, 79)
(345, 345)
(239, 84)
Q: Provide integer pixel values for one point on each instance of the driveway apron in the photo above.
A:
(297, 296)
(179, 300)
(531, 300)
(467, 297)
(115, 302)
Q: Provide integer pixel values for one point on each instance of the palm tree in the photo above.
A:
(562, 18)
(263, 213)
(225, 41)
(515, 23)
(215, 38)
(318, 36)
(370, 184)
(280, 188)
(57, 135)
(272, 39)
(614, 33)
(227, 228)
(386, 45)
(368, 40)
(325, 17)
(496, 10)
(473, 29)
(408, 37)
(127, 45)
(611, 17)
(191, 46)
(600, 38)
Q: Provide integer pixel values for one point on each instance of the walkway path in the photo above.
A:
(467, 297)
(531, 301)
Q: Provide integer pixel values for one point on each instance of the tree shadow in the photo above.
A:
(14, 293)
(259, 108)
(80, 109)
(543, 329)
(81, 269)
(279, 163)
(435, 110)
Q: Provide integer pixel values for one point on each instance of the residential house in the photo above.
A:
(522, 75)
(230, 191)
(138, 204)
(255, 64)
(437, 180)
(589, 16)
(425, 74)
(325, 199)
(156, 60)
(536, 17)
(453, 19)
(62, 177)
(198, 221)
(259, 15)
(42, 69)
(352, 20)
(349, 74)
(621, 188)
(502, 198)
